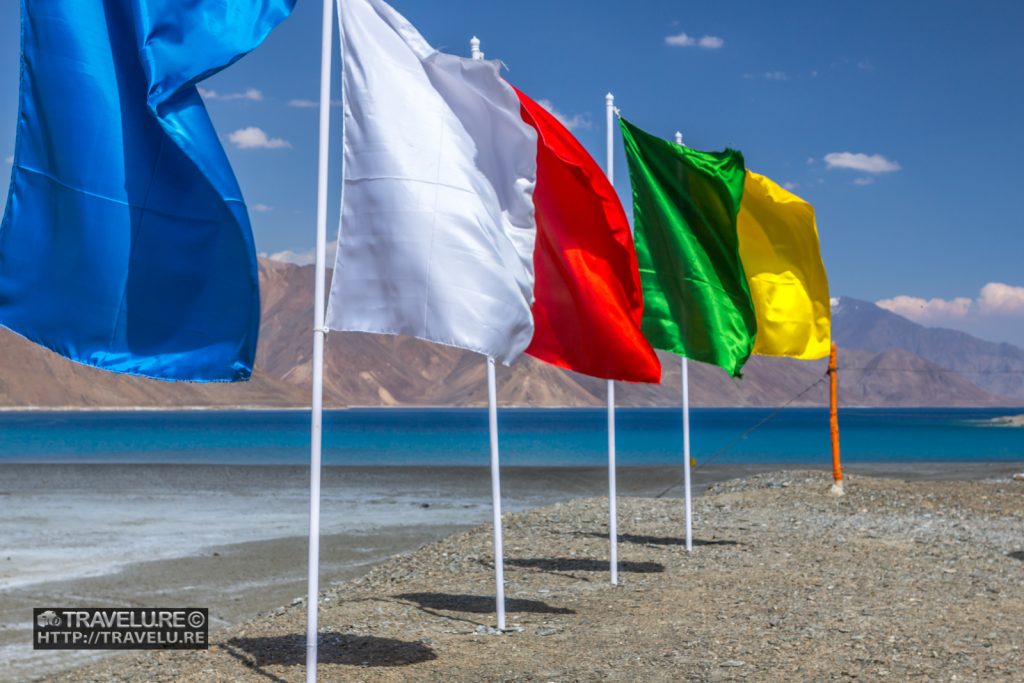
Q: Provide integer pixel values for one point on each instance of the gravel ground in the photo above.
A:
(894, 581)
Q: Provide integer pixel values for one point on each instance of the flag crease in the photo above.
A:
(125, 243)
(730, 261)
(589, 303)
(437, 222)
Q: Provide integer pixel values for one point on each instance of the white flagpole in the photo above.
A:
(686, 455)
(499, 554)
(613, 530)
(319, 334)
(492, 421)
(686, 436)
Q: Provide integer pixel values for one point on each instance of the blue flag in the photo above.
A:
(125, 243)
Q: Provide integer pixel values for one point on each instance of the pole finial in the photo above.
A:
(474, 48)
(609, 99)
(679, 138)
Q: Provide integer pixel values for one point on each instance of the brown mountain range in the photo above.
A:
(370, 370)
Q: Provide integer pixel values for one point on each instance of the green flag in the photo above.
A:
(685, 204)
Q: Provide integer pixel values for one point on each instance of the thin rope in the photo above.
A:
(721, 451)
(747, 433)
(935, 370)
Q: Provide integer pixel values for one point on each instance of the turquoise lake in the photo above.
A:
(529, 437)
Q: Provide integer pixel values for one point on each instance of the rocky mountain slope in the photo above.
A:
(370, 370)
(996, 368)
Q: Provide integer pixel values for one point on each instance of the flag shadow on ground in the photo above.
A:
(1017, 555)
(640, 539)
(478, 604)
(334, 648)
(572, 564)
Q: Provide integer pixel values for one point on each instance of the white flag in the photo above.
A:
(437, 228)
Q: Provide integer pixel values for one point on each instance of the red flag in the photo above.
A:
(588, 301)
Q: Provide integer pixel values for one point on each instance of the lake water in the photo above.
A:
(529, 437)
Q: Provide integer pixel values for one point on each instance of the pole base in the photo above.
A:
(837, 489)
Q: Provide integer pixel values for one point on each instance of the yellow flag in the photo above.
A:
(778, 241)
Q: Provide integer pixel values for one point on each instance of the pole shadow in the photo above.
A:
(333, 648)
(478, 604)
(572, 564)
(640, 539)
(1017, 555)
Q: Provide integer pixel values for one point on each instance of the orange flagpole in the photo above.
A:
(833, 414)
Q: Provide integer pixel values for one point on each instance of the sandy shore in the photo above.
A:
(236, 582)
(895, 581)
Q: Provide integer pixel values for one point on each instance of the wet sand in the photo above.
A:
(133, 511)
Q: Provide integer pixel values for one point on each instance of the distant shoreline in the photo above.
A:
(154, 409)
(1007, 421)
(1013, 420)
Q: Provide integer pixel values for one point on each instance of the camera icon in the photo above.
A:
(47, 618)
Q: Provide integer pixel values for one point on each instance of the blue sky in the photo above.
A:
(899, 121)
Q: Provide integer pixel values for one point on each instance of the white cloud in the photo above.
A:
(251, 94)
(775, 75)
(995, 299)
(790, 185)
(256, 138)
(261, 208)
(310, 104)
(863, 181)
(9, 160)
(865, 163)
(305, 258)
(999, 299)
(680, 40)
(997, 313)
(926, 310)
(570, 122)
(684, 40)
